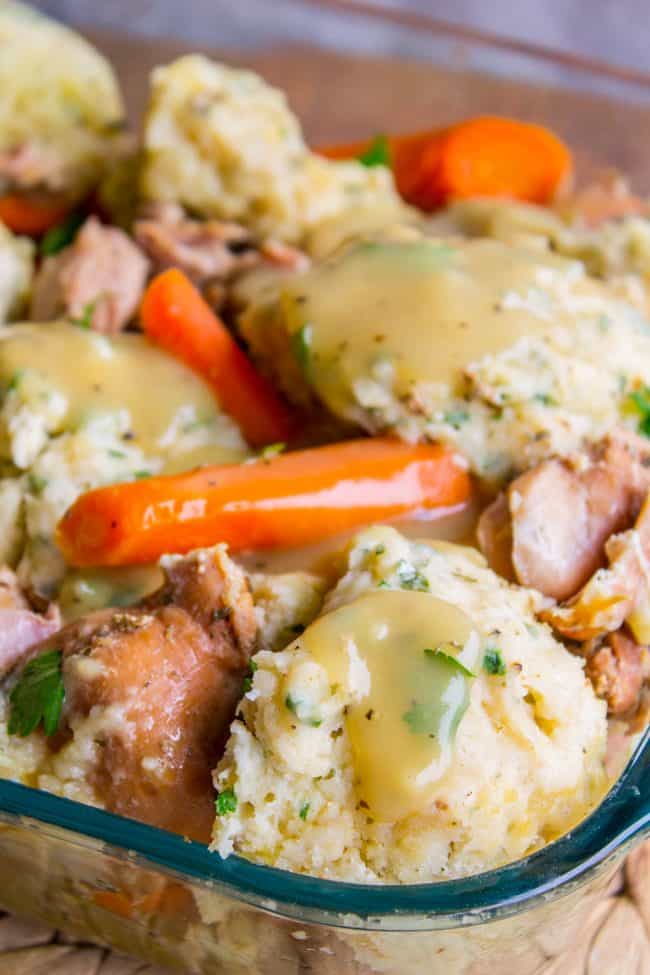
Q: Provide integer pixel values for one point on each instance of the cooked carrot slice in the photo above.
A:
(175, 315)
(290, 499)
(31, 215)
(484, 156)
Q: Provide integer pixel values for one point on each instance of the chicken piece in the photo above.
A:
(618, 670)
(607, 198)
(549, 530)
(207, 250)
(20, 628)
(608, 598)
(159, 684)
(98, 280)
(28, 166)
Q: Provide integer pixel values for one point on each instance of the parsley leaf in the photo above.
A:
(640, 401)
(304, 811)
(377, 153)
(226, 802)
(410, 578)
(301, 346)
(301, 710)
(272, 450)
(63, 234)
(493, 662)
(38, 696)
(443, 653)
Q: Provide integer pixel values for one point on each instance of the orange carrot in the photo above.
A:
(483, 156)
(290, 499)
(175, 315)
(30, 214)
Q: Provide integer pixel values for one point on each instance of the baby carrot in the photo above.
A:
(290, 499)
(483, 156)
(175, 315)
(31, 215)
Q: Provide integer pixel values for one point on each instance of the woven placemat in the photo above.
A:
(616, 939)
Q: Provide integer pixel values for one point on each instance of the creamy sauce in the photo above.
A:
(424, 308)
(86, 590)
(404, 657)
(98, 375)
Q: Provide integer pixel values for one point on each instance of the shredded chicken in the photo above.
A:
(550, 529)
(610, 596)
(618, 669)
(20, 628)
(98, 280)
(579, 531)
(28, 166)
(210, 252)
(160, 682)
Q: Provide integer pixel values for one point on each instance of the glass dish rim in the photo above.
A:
(621, 820)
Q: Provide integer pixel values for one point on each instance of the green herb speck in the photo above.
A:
(226, 802)
(493, 662)
(410, 578)
(304, 811)
(377, 153)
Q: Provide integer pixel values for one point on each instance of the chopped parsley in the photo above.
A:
(640, 401)
(36, 483)
(456, 418)
(443, 653)
(377, 153)
(272, 450)
(379, 550)
(301, 346)
(141, 475)
(226, 802)
(60, 236)
(117, 454)
(302, 711)
(38, 696)
(16, 379)
(545, 399)
(304, 811)
(493, 662)
(85, 320)
(410, 578)
(248, 679)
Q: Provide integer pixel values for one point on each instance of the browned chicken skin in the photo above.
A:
(171, 670)
(578, 530)
(99, 277)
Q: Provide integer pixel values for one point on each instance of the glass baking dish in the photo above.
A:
(143, 891)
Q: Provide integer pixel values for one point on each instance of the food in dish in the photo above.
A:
(61, 119)
(423, 726)
(280, 348)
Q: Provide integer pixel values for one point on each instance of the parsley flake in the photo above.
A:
(38, 696)
(377, 153)
(85, 320)
(301, 346)
(302, 711)
(304, 811)
(493, 662)
(226, 802)
(456, 418)
(248, 679)
(272, 450)
(60, 236)
(639, 400)
(410, 578)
